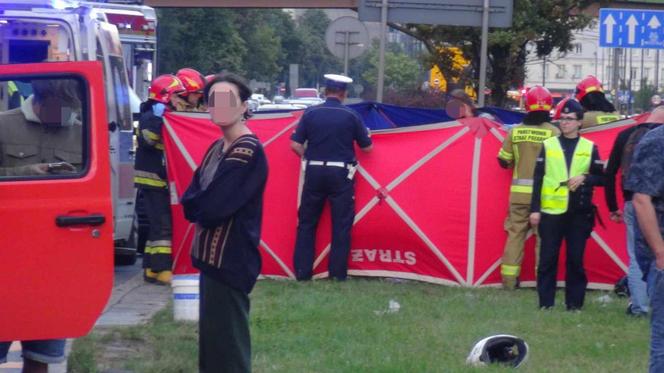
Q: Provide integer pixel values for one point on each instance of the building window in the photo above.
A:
(633, 71)
(647, 52)
(646, 73)
(562, 71)
(577, 72)
(578, 48)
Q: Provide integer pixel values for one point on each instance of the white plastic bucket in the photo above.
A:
(185, 297)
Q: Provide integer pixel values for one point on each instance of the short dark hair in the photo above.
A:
(66, 90)
(238, 81)
(334, 91)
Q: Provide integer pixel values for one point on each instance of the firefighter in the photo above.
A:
(598, 110)
(150, 177)
(194, 83)
(519, 152)
(330, 131)
(566, 171)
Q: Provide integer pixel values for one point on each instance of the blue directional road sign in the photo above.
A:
(631, 28)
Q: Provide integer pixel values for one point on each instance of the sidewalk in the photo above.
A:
(132, 302)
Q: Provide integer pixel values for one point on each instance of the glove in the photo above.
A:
(158, 109)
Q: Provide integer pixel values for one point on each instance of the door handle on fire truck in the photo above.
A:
(92, 219)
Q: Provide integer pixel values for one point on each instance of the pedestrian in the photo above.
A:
(566, 171)
(598, 110)
(655, 102)
(646, 182)
(620, 160)
(329, 131)
(225, 201)
(150, 177)
(193, 82)
(520, 149)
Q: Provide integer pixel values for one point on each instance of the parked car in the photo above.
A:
(282, 106)
(260, 98)
(306, 93)
(306, 101)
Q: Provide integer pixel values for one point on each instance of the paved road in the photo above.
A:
(132, 302)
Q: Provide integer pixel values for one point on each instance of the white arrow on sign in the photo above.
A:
(609, 22)
(654, 23)
(631, 29)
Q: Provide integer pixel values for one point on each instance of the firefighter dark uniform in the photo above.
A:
(565, 214)
(599, 111)
(329, 129)
(150, 179)
(520, 149)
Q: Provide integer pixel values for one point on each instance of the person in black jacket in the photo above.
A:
(565, 173)
(150, 177)
(225, 201)
(621, 159)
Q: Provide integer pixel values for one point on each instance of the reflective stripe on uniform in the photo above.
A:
(150, 137)
(152, 250)
(522, 186)
(509, 270)
(522, 189)
(601, 119)
(555, 193)
(150, 182)
(503, 154)
(161, 250)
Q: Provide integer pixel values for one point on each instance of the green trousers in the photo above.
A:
(224, 340)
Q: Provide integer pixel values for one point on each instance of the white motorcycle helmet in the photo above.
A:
(501, 349)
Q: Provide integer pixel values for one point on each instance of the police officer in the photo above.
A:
(194, 83)
(598, 110)
(567, 169)
(150, 177)
(329, 130)
(519, 151)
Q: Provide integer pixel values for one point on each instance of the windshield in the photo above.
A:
(32, 40)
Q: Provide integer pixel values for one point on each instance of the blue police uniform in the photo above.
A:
(329, 130)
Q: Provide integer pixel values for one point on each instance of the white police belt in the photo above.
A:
(327, 163)
(350, 166)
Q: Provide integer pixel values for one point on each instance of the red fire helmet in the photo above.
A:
(538, 98)
(587, 85)
(163, 86)
(193, 81)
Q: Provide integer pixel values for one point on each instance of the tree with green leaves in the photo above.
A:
(207, 40)
(401, 72)
(549, 24)
(642, 96)
(314, 58)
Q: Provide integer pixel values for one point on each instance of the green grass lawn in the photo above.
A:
(326, 326)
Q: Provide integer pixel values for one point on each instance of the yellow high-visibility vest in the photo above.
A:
(555, 193)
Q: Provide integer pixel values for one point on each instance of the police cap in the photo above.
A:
(573, 106)
(337, 81)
